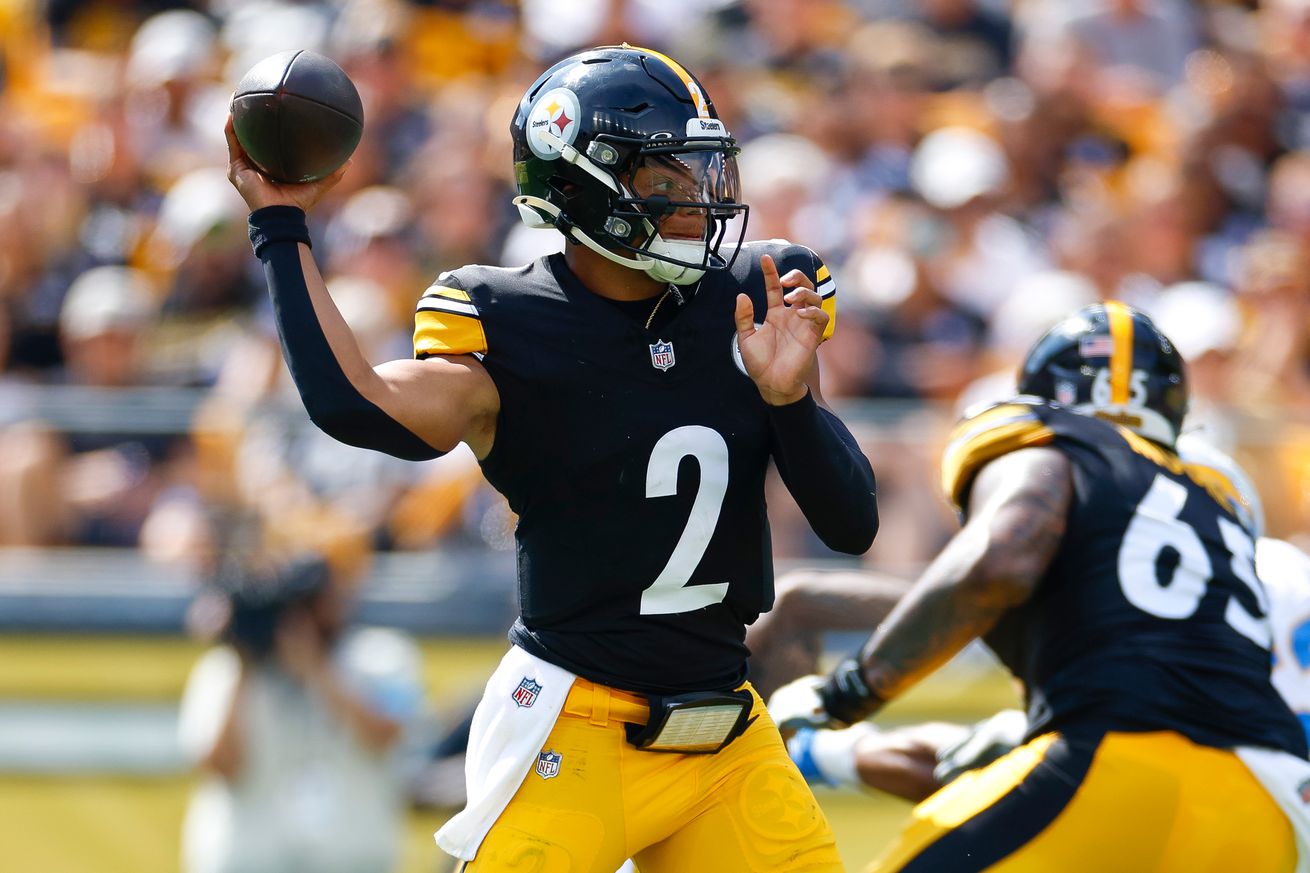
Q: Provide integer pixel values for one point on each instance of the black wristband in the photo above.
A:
(846, 696)
(271, 224)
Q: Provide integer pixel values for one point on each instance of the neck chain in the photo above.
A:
(672, 289)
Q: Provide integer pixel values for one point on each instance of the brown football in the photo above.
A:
(297, 115)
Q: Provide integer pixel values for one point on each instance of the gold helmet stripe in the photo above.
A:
(697, 96)
(1121, 355)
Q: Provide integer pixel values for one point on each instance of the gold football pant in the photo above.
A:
(745, 809)
(1130, 803)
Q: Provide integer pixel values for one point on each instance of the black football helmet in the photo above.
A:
(1110, 361)
(611, 141)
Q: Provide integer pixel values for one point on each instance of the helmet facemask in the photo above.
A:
(670, 203)
(677, 205)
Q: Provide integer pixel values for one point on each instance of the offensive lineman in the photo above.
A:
(626, 397)
(1117, 582)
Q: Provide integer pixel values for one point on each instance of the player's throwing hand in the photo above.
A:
(258, 190)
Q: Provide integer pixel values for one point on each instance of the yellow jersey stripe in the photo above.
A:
(446, 291)
(454, 307)
(1121, 355)
(964, 457)
(823, 274)
(829, 305)
(444, 333)
(966, 797)
(1216, 483)
(698, 98)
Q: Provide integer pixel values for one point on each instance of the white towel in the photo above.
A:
(522, 700)
(1287, 779)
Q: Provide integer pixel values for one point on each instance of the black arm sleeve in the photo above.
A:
(333, 403)
(826, 472)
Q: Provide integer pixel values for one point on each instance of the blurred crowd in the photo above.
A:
(970, 170)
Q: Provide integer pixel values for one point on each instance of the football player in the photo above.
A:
(627, 397)
(1116, 580)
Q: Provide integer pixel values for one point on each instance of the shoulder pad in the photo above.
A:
(447, 320)
(987, 434)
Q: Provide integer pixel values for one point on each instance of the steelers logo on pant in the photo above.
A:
(777, 805)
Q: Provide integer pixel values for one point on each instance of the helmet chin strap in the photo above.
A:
(682, 250)
(541, 213)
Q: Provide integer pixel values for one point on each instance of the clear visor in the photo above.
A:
(693, 180)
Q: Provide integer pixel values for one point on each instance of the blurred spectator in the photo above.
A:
(1140, 46)
(97, 488)
(300, 729)
(976, 42)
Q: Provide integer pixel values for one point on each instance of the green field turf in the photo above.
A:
(88, 823)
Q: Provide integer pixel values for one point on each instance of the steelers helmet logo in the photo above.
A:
(553, 123)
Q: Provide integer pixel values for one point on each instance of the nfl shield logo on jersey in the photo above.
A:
(526, 694)
(548, 764)
(661, 355)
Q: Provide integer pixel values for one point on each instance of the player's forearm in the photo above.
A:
(330, 372)
(1019, 509)
(827, 474)
(954, 602)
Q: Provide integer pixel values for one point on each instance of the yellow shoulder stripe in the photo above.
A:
(448, 293)
(438, 332)
(822, 274)
(984, 438)
(829, 305)
(1216, 483)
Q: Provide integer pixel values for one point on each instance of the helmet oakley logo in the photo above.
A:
(553, 123)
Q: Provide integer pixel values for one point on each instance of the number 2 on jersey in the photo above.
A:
(1156, 526)
(667, 593)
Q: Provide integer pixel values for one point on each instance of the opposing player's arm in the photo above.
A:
(1017, 513)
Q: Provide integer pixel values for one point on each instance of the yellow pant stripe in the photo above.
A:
(962, 800)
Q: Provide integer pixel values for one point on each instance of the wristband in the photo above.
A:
(846, 696)
(273, 224)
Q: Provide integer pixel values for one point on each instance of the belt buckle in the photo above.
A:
(698, 722)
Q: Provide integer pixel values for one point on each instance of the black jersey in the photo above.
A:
(1150, 616)
(635, 461)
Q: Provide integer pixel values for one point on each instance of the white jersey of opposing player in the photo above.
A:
(1285, 571)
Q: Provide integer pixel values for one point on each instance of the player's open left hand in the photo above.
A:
(780, 353)
(259, 190)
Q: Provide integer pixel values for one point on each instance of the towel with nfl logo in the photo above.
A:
(517, 711)
(1287, 778)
